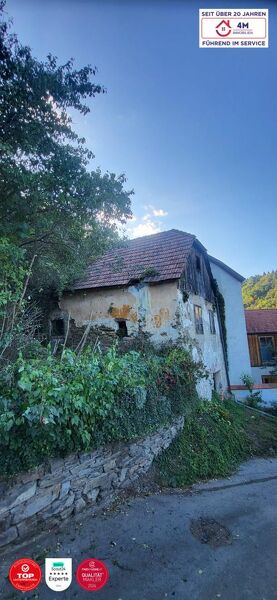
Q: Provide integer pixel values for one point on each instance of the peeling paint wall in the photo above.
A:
(158, 310)
(207, 346)
(146, 308)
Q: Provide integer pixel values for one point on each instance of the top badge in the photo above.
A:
(25, 574)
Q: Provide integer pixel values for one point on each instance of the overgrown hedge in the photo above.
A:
(212, 443)
(53, 406)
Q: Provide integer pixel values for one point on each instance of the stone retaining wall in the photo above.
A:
(47, 495)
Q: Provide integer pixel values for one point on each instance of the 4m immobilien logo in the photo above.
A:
(233, 28)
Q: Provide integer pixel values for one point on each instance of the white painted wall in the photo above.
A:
(269, 396)
(257, 373)
(237, 345)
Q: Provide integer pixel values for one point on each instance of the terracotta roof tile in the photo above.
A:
(164, 253)
(263, 320)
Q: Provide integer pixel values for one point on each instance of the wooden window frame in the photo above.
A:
(269, 379)
(265, 363)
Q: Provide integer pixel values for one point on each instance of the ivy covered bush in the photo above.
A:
(53, 406)
(214, 440)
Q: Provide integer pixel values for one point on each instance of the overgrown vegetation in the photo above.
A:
(56, 215)
(260, 291)
(261, 432)
(53, 205)
(19, 319)
(211, 444)
(216, 438)
(221, 309)
(254, 399)
(50, 407)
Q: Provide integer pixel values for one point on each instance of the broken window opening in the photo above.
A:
(199, 328)
(122, 330)
(185, 296)
(212, 322)
(217, 381)
(57, 327)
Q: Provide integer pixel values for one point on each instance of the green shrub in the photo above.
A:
(212, 443)
(19, 318)
(253, 399)
(51, 407)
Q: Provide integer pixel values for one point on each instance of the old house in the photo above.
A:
(164, 285)
(261, 325)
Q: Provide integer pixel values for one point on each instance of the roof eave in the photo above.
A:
(148, 280)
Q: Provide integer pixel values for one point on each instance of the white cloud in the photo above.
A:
(146, 228)
(148, 223)
(159, 212)
(156, 212)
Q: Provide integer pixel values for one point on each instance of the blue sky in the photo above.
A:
(194, 130)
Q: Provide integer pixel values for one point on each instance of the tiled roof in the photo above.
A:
(263, 320)
(160, 256)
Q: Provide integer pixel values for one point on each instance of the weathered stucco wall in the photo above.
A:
(46, 496)
(146, 308)
(159, 310)
(237, 345)
(207, 346)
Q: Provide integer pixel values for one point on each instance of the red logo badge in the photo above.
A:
(25, 574)
(223, 28)
(92, 574)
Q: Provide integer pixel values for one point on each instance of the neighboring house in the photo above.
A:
(261, 325)
(161, 285)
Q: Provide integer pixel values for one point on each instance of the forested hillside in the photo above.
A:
(260, 291)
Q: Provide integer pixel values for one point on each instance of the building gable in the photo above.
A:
(197, 277)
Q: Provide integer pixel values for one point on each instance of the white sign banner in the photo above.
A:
(58, 573)
(233, 28)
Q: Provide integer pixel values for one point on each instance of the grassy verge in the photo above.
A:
(215, 439)
(261, 432)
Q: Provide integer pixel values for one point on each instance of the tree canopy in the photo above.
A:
(260, 291)
(51, 204)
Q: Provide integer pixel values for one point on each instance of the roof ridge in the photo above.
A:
(151, 235)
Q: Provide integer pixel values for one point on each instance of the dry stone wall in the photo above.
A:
(48, 495)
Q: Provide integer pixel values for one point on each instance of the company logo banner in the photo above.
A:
(233, 28)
